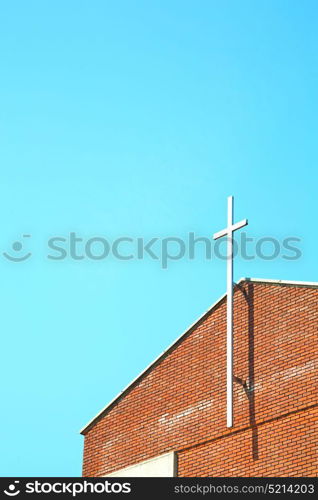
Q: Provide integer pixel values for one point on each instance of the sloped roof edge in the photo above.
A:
(90, 424)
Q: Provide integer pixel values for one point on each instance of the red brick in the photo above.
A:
(180, 403)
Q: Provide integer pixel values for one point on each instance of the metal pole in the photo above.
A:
(229, 314)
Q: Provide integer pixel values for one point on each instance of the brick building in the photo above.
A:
(171, 420)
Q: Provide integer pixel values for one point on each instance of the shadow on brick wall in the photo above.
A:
(249, 384)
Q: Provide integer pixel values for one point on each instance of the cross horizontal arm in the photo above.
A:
(240, 224)
(230, 229)
(220, 234)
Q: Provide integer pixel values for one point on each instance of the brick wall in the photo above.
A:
(180, 403)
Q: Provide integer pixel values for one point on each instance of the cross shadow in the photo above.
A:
(249, 384)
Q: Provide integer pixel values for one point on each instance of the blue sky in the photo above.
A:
(137, 118)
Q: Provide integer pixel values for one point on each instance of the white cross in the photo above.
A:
(229, 306)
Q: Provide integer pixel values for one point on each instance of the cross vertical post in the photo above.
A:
(229, 317)
(231, 227)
